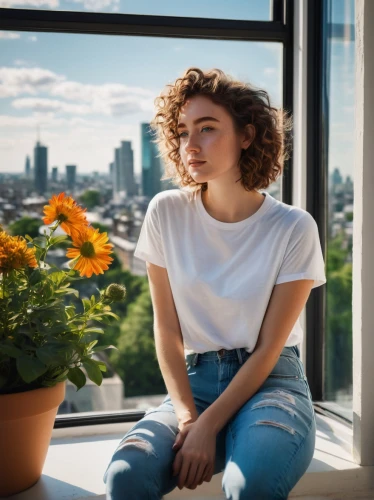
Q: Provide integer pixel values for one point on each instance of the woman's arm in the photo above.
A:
(169, 345)
(285, 305)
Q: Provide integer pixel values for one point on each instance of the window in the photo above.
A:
(74, 111)
(339, 65)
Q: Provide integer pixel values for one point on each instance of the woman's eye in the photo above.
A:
(181, 134)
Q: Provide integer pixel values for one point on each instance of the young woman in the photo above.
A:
(230, 269)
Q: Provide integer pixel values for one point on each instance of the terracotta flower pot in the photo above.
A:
(26, 423)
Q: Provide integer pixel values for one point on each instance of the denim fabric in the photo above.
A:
(264, 449)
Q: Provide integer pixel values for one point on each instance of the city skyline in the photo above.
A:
(86, 105)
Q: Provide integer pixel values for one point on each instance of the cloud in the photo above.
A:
(270, 71)
(7, 143)
(23, 62)
(275, 47)
(93, 5)
(32, 38)
(16, 81)
(8, 121)
(53, 4)
(49, 119)
(108, 99)
(51, 106)
(9, 35)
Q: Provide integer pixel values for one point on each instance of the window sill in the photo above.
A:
(78, 456)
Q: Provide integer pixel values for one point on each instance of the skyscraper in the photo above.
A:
(71, 171)
(40, 168)
(115, 171)
(123, 172)
(126, 171)
(54, 174)
(151, 165)
(27, 167)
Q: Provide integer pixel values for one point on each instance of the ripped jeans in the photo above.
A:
(263, 450)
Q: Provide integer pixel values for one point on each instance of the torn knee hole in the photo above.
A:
(139, 443)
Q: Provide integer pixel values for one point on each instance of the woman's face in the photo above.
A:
(206, 132)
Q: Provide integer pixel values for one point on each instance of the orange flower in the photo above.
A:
(14, 253)
(65, 210)
(91, 252)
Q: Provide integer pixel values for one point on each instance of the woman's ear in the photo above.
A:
(249, 136)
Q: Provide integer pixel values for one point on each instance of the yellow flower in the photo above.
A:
(91, 253)
(65, 210)
(14, 253)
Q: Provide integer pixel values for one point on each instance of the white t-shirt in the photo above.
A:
(222, 274)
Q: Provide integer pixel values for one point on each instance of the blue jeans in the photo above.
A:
(264, 449)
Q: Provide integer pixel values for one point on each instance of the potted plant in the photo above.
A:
(45, 338)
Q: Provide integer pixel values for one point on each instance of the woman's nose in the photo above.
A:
(192, 144)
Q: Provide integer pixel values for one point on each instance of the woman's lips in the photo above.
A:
(196, 164)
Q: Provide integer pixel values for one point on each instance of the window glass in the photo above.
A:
(74, 115)
(256, 10)
(339, 92)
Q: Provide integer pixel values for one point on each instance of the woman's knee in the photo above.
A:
(129, 476)
(239, 487)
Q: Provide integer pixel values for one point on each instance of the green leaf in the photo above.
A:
(40, 240)
(62, 376)
(57, 277)
(103, 347)
(93, 371)
(91, 344)
(86, 304)
(30, 368)
(35, 277)
(11, 350)
(93, 330)
(57, 239)
(102, 366)
(68, 291)
(77, 377)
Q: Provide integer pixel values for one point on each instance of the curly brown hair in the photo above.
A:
(261, 163)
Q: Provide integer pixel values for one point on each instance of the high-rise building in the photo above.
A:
(123, 171)
(126, 171)
(40, 168)
(115, 172)
(111, 169)
(27, 167)
(71, 171)
(54, 174)
(151, 165)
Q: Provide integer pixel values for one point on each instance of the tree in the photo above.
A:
(90, 198)
(338, 359)
(26, 225)
(136, 361)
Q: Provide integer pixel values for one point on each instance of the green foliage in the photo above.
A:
(25, 225)
(339, 352)
(44, 338)
(90, 198)
(135, 360)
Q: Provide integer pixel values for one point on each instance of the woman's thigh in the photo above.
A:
(270, 441)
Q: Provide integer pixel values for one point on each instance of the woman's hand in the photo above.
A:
(196, 451)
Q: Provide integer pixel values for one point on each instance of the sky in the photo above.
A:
(86, 93)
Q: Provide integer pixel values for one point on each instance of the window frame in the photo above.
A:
(280, 29)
